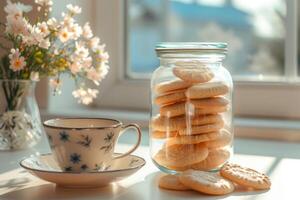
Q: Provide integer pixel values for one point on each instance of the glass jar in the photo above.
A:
(191, 114)
(20, 123)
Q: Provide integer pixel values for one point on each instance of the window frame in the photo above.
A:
(270, 93)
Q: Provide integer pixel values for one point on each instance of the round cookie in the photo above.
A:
(207, 111)
(245, 176)
(192, 139)
(169, 86)
(197, 73)
(215, 158)
(206, 90)
(170, 98)
(183, 108)
(163, 134)
(181, 155)
(206, 182)
(171, 182)
(162, 123)
(196, 130)
(173, 110)
(209, 102)
(223, 140)
(204, 119)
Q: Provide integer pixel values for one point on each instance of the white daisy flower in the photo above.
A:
(64, 35)
(94, 75)
(76, 31)
(74, 9)
(85, 96)
(94, 43)
(16, 61)
(102, 68)
(87, 62)
(36, 35)
(17, 26)
(68, 21)
(79, 92)
(81, 51)
(104, 57)
(12, 10)
(52, 23)
(15, 10)
(87, 31)
(45, 43)
(43, 28)
(75, 67)
(48, 3)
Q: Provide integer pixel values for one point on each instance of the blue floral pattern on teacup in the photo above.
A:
(109, 140)
(85, 141)
(75, 158)
(64, 136)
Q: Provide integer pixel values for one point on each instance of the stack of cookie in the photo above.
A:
(190, 119)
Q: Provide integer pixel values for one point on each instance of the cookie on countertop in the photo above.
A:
(171, 182)
(206, 182)
(245, 176)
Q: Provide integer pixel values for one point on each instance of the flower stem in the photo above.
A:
(4, 86)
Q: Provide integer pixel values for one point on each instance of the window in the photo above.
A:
(255, 32)
(261, 35)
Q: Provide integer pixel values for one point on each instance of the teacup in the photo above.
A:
(86, 144)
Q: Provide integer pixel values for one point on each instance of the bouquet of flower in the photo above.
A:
(50, 48)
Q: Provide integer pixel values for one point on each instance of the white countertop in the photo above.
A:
(280, 160)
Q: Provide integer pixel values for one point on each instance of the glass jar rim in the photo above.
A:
(191, 47)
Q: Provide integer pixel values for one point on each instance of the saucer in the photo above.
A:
(46, 168)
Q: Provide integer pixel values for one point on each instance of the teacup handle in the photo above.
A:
(139, 133)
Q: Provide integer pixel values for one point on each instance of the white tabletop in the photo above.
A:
(278, 159)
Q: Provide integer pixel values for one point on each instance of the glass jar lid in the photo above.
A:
(191, 48)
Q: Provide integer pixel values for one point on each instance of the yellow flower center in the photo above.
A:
(65, 35)
(18, 63)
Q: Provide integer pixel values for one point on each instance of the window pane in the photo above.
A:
(254, 31)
